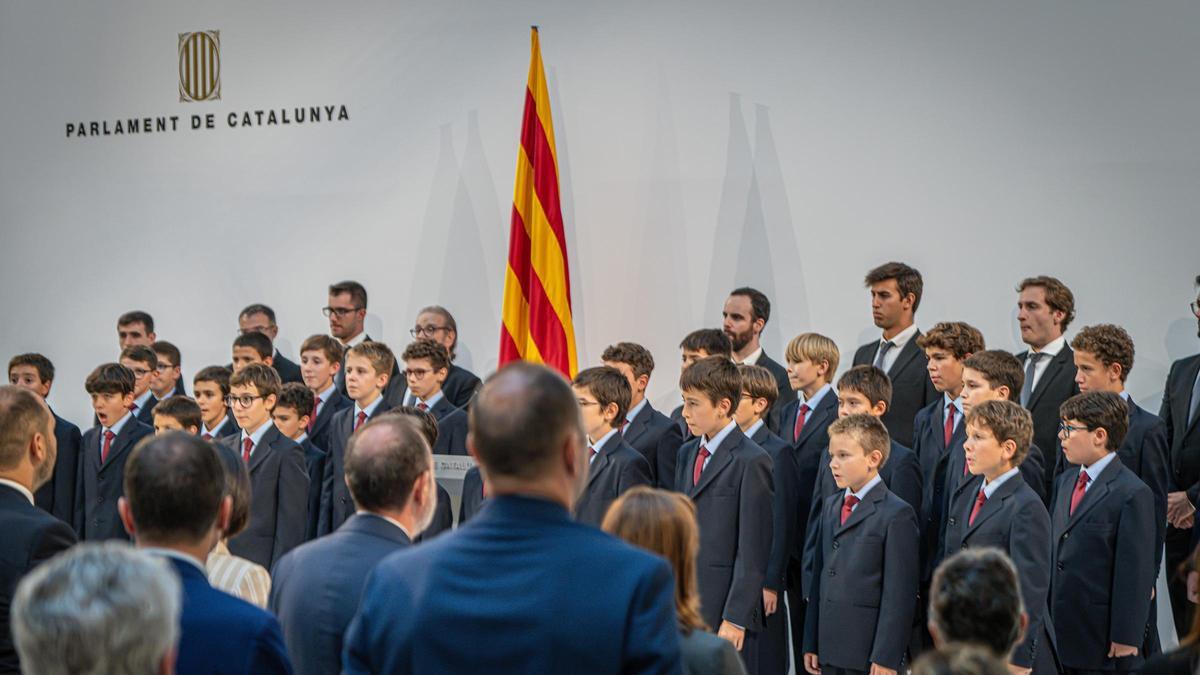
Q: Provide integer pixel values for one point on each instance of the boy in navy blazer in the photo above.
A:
(1103, 535)
(697, 345)
(57, 495)
(614, 466)
(211, 387)
(278, 474)
(103, 451)
(426, 365)
(644, 427)
(865, 556)
(291, 415)
(143, 363)
(729, 478)
(320, 362)
(1005, 512)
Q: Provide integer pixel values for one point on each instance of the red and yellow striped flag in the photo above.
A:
(536, 314)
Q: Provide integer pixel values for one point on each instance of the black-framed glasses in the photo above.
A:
(141, 372)
(342, 312)
(244, 401)
(425, 331)
(1064, 429)
(416, 373)
(163, 367)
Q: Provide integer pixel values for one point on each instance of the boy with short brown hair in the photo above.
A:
(211, 387)
(177, 413)
(614, 466)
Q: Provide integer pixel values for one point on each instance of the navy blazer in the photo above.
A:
(315, 589)
(588, 603)
(734, 500)
(472, 495)
(223, 635)
(941, 473)
(278, 498)
(314, 462)
(1104, 571)
(911, 388)
(179, 390)
(336, 504)
(644, 432)
(784, 506)
(98, 485)
(31, 536)
(1015, 521)
(786, 393)
(1183, 438)
(460, 385)
(288, 370)
(57, 496)
(864, 582)
(616, 468)
(320, 428)
(1056, 385)
(452, 434)
(443, 516)
(809, 451)
(442, 408)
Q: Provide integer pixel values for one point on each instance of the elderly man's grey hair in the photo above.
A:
(97, 608)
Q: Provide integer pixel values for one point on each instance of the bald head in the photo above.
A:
(520, 420)
(384, 460)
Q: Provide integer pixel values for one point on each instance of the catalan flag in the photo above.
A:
(536, 314)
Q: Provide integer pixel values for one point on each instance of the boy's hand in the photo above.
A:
(877, 669)
(811, 665)
(770, 602)
(732, 633)
(1117, 650)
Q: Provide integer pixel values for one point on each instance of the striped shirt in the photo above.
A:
(237, 576)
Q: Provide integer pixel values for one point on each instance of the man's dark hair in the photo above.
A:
(384, 460)
(607, 385)
(908, 280)
(999, 368)
(141, 354)
(637, 357)
(974, 598)
(181, 408)
(174, 484)
(760, 306)
(163, 348)
(217, 374)
(1099, 410)
(259, 308)
(358, 294)
(110, 378)
(297, 397)
(21, 415)
(451, 324)
(257, 341)
(869, 381)
(520, 418)
(711, 341)
(137, 316)
(43, 365)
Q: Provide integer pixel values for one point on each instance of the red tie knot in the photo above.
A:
(109, 435)
(848, 507)
(358, 422)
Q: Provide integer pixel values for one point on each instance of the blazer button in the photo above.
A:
(1059, 566)
(1066, 535)
(835, 544)
(953, 521)
(833, 573)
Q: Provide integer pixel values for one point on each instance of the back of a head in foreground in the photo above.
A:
(100, 608)
(959, 659)
(174, 484)
(974, 598)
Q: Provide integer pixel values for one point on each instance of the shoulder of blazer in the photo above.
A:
(863, 353)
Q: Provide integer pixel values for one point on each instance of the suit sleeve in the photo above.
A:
(668, 453)
(898, 602)
(1029, 547)
(813, 555)
(1133, 570)
(633, 474)
(325, 517)
(55, 539)
(291, 516)
(78, 510)
(652, 632)
(744, 601)
(1154, 473)
(1033, 471)
(270, 655)
(783, 512)
(906, 482)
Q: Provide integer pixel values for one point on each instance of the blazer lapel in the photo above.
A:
(598, 466)
(119, 444)
(907, 354)
(1095, 494)
(1182, 398)
(818, 417)
(260, 451)
(860, 512)
(638, 426)
(720, 459)
(1055, 367)
(993, 505)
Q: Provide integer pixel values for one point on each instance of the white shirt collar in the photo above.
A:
(172, 553)
(1052, 347)
(958, 411)
(816, 398)
(18, 487)
(354, 341)
(1098, 467)
(215, 431)
(324, 396)
(116, 428)
(390, 520)
(989, 489)
(754, 428)
(901, 338)
(598, 445)
(303, 437)
(715, 442)
(370, 409)
(142, 400)
(862, 493)
(433, 400)
(632, 413)
(754, 356)
(257, 435)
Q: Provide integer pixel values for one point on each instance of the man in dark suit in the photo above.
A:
(437, 324)
(895, 295)
(103, 451)
(1180, 413)
(744, 317)
(347, 312)
(167, 380)
(31, 536)
(316, 588)
(473, 495)
(452, 434)
(175, 506)
(57, 495)
(259, 318)
(614, 466)
(278, 472)
(471, 577)
(1045, 308)
(1103, 533)
(645, 427)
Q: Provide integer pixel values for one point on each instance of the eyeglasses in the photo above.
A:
(140, 372)
(1064, 429)
(243, 401)
(416, 373)
(426, 331)
(342, 312)
(163, 367)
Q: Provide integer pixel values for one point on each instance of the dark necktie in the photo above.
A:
(884, 348)
(422, 406)
(206, 436)
(948, 432)
(1030, 369)
(1194, 405)
(312, 419)
(848, 507)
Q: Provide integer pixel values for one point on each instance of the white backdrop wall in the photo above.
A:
(702, 144)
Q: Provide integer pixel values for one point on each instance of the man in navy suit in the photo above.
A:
(1180, 414)
(614, 466)
(895, 295)
(31, 536)
(1045, 307)
(436, 324)
(259, 318)
(175, 506)
(1104, 536)
(103, 451)
(588, 603)
(644, 427)
(57, 495)
(316, 588)
(347, 314)
(744, 317)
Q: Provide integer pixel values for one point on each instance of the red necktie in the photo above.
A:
(1080, 490)
(848, 507)
(132, 407)
(949, 431)
(206, 436)
(362, 417)
(699, 468)
(421, 405)
(312, 419)
(978, 505)
(108, 439)
(591, 453)
(800, 421)
(247, 445)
